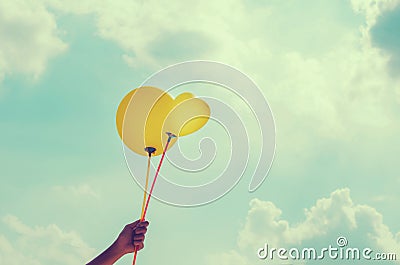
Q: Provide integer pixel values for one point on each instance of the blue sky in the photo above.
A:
(327, 68)
(384, 35)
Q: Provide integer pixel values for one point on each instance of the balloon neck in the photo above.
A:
(150, 150)
(170, 136)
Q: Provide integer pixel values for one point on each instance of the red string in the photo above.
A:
(134, 257)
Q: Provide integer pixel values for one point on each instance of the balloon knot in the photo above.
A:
(150, 150)
(170, 136)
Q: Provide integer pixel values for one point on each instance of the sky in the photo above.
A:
(328, 69)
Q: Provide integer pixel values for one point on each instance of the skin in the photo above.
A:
(131, 237)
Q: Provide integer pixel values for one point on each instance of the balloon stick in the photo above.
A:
(170, 136)
(150, 151)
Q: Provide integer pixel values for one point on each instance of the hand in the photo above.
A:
(131, 237)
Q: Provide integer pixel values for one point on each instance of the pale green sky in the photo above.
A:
(329, 70)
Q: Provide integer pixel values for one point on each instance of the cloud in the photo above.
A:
(336, 215)
(230, 31)
(41, 245)
(29, 38)
(148, 34)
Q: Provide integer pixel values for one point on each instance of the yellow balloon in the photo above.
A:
(145, 114)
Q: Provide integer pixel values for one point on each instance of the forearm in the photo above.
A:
(108, 257)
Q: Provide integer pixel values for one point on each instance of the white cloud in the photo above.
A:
(41, 245)
(329, 218)
(29, 38)
(234, 32)
(139, 27)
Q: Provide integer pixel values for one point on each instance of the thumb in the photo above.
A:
(133, 225)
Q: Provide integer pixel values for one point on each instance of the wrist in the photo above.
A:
(116, 250)
(109, 256)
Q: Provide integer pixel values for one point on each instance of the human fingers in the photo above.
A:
(140, 230)
(133, 225)
(138, 238)
(139, 246)
(143, 224)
